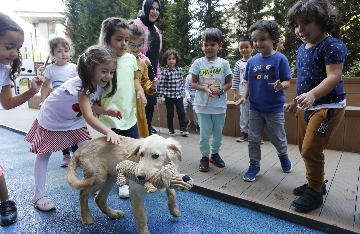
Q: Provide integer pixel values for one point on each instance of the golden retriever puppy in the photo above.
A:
(98, 161)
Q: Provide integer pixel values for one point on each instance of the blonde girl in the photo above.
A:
(136, 43)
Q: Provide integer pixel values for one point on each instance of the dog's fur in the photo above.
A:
(98, 161)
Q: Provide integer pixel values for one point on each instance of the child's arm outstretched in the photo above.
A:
(9, 101)
(139, 90)
(278, 85)
(44, 90)
(244, 96)
(84, 102)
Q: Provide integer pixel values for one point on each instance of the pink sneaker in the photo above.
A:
(65, 161)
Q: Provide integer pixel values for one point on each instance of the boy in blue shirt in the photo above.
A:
(268, 75)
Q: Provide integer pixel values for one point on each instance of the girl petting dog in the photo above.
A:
(11, 40)
(60, 121)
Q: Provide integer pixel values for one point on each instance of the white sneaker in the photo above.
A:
(124, 191)
(65, 161)
(184, 133)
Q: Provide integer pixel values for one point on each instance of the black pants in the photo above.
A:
(178, 102)
(67, 151)
(149, 112)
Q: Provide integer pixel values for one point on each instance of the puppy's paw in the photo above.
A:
(87, 220)
(116, 214)
(175, 212)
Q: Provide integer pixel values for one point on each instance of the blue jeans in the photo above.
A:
(275, 128)
(210, 124)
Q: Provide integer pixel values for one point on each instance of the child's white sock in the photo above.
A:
(40, 169)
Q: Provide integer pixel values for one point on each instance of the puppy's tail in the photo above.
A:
(71, 176)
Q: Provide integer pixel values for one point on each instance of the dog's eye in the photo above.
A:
(155, 156)
(141, 154)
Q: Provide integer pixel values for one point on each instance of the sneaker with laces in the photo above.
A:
(8, 212)
(172, 132)
(65, 161)
(298, 191)
(217, 160)
(251, 173)
(124, 191)
(243, 137)
(184, 133)
(309, 200)
(204, 164)
(187, 124)
(286, 165)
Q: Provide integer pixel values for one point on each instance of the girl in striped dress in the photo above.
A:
(61, 121)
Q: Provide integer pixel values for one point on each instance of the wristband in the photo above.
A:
(222, 91)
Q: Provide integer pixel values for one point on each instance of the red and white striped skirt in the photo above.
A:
(45, 141)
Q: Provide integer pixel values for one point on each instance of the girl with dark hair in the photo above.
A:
(152, 45)
(11, 40)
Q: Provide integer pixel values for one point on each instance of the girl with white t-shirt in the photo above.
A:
(11, 40)
(56, 74)
(61, 121)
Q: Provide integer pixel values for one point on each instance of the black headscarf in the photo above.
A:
(146, 7)
(153, 51)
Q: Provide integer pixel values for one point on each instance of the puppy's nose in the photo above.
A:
(141, 177)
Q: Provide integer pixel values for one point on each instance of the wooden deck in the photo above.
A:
(272, 191)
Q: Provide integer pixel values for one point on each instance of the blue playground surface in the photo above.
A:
(199, 213)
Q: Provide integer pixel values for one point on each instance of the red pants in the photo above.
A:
(314, 132)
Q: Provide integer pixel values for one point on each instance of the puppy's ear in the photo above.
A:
(175, 152)
(134, 153)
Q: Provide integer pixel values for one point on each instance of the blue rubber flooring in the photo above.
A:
(199, 213)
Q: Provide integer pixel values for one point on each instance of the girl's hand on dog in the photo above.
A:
(113, 137)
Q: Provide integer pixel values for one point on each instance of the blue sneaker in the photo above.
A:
(251, 173)
(217, 160)
(204, 164)
(286, 165)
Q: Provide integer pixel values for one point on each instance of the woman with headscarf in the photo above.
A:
(152, 45)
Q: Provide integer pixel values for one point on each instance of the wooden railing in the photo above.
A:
(344, 139)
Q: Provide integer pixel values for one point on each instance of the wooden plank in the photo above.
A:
(282, 194)
(271, 177)
(273, 187)
(237, 185)
(352, 128)
(340, 202)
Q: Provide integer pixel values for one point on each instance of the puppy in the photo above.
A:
(98, 161)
